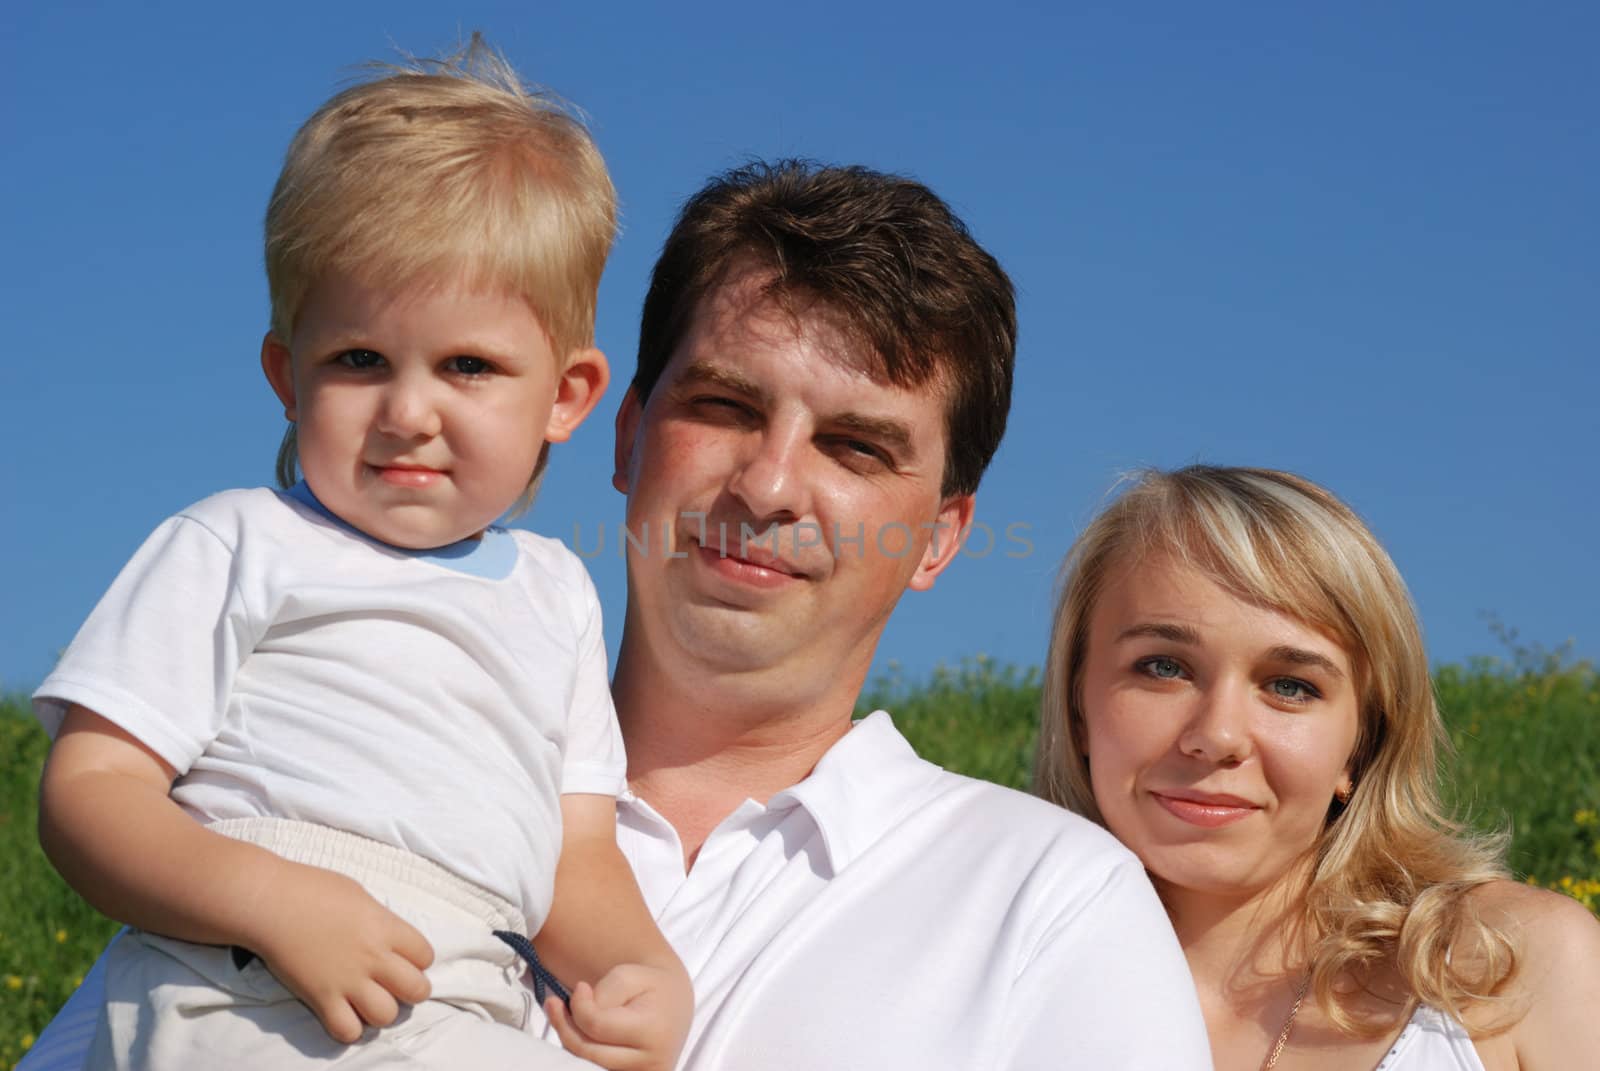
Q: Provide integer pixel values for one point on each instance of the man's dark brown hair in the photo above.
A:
(884, 251)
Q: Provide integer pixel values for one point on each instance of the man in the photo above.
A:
(824, 372)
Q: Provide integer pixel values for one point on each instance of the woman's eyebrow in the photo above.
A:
(1172, 633)
(1299, 656)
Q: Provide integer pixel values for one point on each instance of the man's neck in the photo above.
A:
(700, 744)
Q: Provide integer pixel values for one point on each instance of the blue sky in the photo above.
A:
(1357, 242)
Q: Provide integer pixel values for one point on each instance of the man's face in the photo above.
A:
(800, 495)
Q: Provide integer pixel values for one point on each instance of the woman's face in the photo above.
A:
(1218, 731)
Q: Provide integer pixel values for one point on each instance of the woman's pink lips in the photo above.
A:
(1209, 812)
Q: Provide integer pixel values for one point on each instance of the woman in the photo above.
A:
(1237, 688)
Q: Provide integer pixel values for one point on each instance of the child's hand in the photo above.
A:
(635, 1019)
(348, 958)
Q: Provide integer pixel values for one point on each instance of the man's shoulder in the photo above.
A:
(1018, 820)
(967, 821)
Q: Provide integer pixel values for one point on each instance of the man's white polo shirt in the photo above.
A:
(887, 914)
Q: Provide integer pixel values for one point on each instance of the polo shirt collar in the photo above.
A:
(861, 788)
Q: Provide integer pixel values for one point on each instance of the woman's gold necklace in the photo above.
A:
(1288, 1024)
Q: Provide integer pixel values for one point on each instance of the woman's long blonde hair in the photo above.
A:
(1392, 869)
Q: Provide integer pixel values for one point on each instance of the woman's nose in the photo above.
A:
(1218, 729)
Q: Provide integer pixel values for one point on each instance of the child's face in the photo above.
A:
(420, 413)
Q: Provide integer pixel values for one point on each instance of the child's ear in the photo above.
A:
(578, 391)
(275, 363)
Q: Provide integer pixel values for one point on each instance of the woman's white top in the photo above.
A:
(1432, 1041)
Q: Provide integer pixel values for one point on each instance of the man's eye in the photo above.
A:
(1161, 667)
(359, 359)
(470, 366)
(719, 405)
(859, 452)
(1292, 689)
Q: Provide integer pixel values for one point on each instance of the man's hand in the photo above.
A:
(635, 1019)
(348, 958)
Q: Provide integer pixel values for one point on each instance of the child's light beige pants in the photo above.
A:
(174, 1006)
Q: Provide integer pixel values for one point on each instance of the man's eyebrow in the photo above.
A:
(1299, 656)
(703, 373)
(1171, 633)
(882, 430)
(893, 434)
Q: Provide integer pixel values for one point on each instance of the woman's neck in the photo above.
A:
(1236, 943)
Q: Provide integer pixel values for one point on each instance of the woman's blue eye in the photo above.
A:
(1289, 688)
(360, 359)
(1165, 668)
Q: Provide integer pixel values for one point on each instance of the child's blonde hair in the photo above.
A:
(436, 168)
(1392, 870)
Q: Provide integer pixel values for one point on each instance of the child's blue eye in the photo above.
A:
(360, 359)
(470, 366)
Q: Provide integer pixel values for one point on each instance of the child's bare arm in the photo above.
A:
(632, 1000)
(108, 824)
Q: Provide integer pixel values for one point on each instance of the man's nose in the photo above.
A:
(769, 476)
(1218, 729)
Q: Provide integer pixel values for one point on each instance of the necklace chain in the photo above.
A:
(1288, 1024)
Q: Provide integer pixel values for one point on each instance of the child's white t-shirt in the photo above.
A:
(286, 665)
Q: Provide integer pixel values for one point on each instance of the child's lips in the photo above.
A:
(408, 475)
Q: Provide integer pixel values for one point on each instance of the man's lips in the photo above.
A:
(750, 566)
(1206, 809)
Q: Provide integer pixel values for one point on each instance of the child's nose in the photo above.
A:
(408, 412)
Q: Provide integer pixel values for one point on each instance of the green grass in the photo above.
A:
(1527, 738)
(1526, 730)
(48, 937)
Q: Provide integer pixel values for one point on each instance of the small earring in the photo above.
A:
(1342, 795)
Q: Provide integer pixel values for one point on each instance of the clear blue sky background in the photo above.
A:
(1358, 242)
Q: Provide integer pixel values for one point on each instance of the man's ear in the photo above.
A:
(950, 528)
(627, 427)
(280, 373)
(578, 391)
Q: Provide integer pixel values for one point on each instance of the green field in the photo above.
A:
(1526, 730)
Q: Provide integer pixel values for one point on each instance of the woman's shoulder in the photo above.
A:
(1556, 986)
(1544, 923)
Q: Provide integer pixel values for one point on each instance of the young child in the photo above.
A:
(326, 742)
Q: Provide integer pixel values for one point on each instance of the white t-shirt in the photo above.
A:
(287, 665)
(884, 914)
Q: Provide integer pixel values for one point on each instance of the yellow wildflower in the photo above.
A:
(61, 937)
(27, 1042)
(13, 982)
